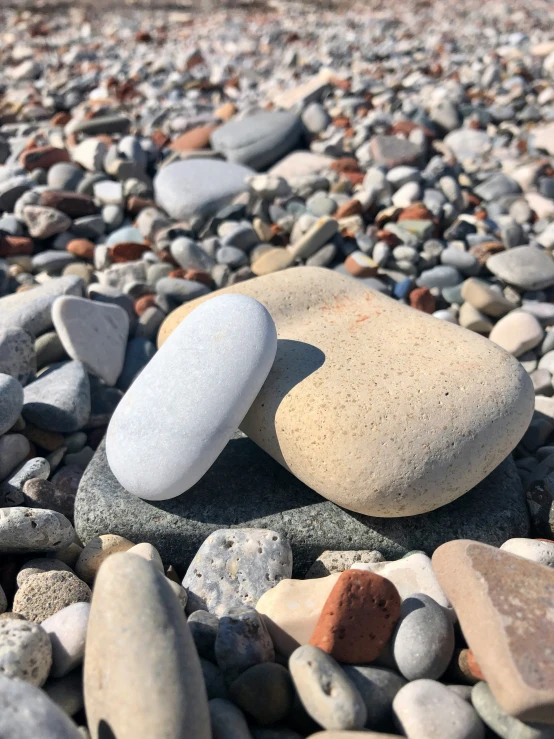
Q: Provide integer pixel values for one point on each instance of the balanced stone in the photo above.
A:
(93, 333)
(157, 446)
(151, 684)
(31, 310)
(234, 567)
(198, 187)
(59, 400)
(336, 338)
(33, 530)
(245, 487)
(258, 141)
(504, 604)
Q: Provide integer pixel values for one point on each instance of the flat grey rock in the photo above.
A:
(31, 309)
(41, 717)
(17, 353)
(59, 400)
(258, 141)
(525, 267)
(246, 488)
(234, 567)
(195, 187)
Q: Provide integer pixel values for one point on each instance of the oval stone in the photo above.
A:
(355, 371)
(161, 442)
(151, 684)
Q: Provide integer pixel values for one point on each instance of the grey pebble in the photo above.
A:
(500, 722)
(264, 692)
(59, 400)
(235, 567)
(441, 276)
(11, 402)
(25, 651)
(242, 641)
(179, 291)
(49, 349)
(377, 686)
(189, 255)
(11, 490)
(203, 628)
(214, 680)
(13, 450)
(327, 694)
(227, 721)
(66, 692)
(29, 530)
(17, 354)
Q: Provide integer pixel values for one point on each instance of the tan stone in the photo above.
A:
(505, 605)
(517, 333)
(292, 608)
(149, 553)
(382, 409)
(474, 320)
(96, 551)
(273, 260)
(142, 675)
(481, 296)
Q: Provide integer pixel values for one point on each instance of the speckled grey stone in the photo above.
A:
(235, 567)
(377, 686)
(245, 487)
(423, 640)
(59, 400)
(11, 491)
(258, 141)
(41, 717)
(17, 354)
(33, 530)
(525, 267)
(31, 309)
(11, 401)
(25, 651)
(498, 720)
(329, 562)
(328, 696)
(242, 642)
(189, 255)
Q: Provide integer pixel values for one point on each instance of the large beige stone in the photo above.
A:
(142, 675)
(292, 608)
(378, 407)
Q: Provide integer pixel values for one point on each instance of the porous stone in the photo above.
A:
(33, 530)
(292, 419)
(44, 595)
(25, 651)
(38, 566)
(245, 487)
(503, 603)
(537, 550)
(59, 400)
(235, 567)
(325, 691)
(228, 346)
(330, 562)
(152, 684)
(41, 716)
(93, 333)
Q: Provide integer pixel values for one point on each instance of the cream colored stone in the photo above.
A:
(142, 675)
(149, 553)
(517, 333)
(410, 575)
(382, 409)
(474, 320)
(481, 296)
(96, 551)
(291, 610)
(273, 260)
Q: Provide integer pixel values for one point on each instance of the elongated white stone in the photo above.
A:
(177, 417)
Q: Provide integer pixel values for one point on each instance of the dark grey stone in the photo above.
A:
(264, 692)
(227, 721)
(377, 686)
(64, 176)
(260, 140)
(103, 402)
(179, 291)
(60, 399)
(246, 487)
(137, 355)
(496, 186)
(100, 124)
(49, 349)
(203, 628)
(242, 642)
(234, 567)
(213, 678)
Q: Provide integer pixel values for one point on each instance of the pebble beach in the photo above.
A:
(277, 371)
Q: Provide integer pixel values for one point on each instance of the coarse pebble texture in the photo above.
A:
(25, 651)
(44, 595)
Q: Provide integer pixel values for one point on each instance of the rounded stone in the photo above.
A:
(149, 553)
(335, 355)
(152, 684)
(517, 333)
(220, 357)
(11, 402)
(41, 717)
(25, 651)
(423, 641)
(67, 630)
(28, 530)
(536, 550)
(203, 628)
(44, 595)
(242, 641)
(325, 691)
(38, 566)
(426, 709)
(377, 686)
(264, 692)
(96, 551)
(13, 450)
(17, 354)
(227, 721)
(59, 400)
(499, 721)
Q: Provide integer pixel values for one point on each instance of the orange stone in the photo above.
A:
(199, 276)
(359, 264)
(421, 299)
(43, 157)
(127, 251)
(225, 112)
(196, 138)
(60, 119)
(356, 178)
(144, 302)
(72, 204)
(351, 208)
(82, 248)
(416, 212)
(15, 246)
(358, 617)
